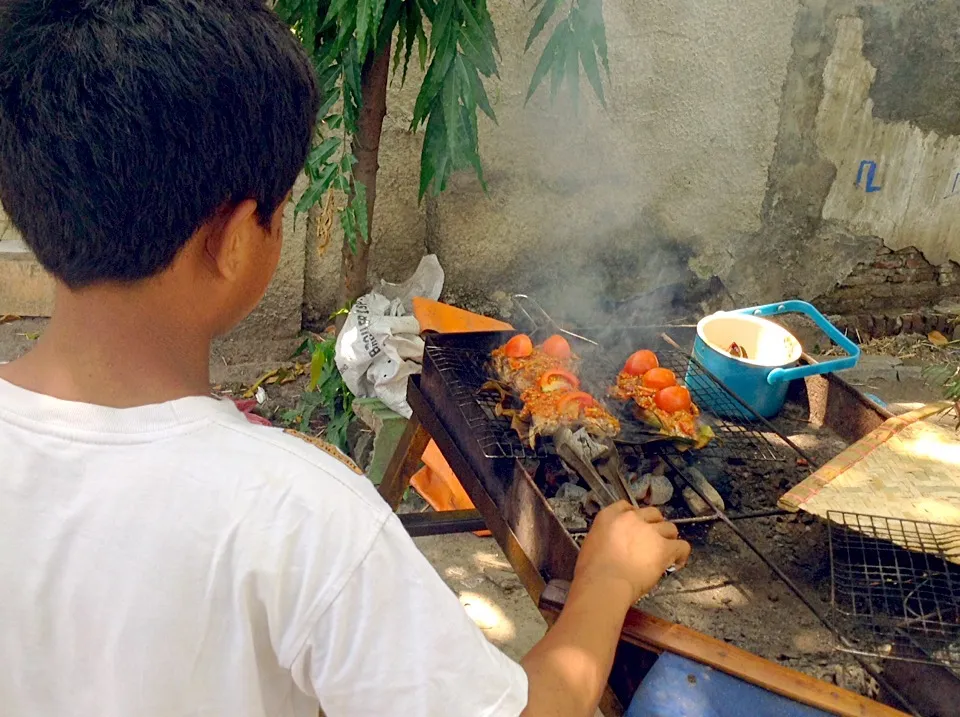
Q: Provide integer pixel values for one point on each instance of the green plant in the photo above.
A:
(350, 41)
(326, 391)
(946, 378)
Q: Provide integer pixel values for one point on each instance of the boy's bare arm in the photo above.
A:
(622, 559)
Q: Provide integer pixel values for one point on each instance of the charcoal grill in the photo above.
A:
(499, 474)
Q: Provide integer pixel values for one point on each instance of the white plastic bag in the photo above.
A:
(380, 345)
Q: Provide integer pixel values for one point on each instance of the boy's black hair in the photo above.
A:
(126, 124)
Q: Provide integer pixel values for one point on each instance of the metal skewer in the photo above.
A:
(546, 317)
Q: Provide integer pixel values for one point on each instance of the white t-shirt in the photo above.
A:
(176, 560)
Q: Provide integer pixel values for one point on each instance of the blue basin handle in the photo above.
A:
(802, 307)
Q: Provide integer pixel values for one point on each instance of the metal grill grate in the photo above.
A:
(893, 582)
(738, 440)
(462, 365)
(463, 372)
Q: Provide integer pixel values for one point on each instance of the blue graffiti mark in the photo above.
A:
(953, 190)
(871, 168)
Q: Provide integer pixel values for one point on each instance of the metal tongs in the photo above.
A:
(597, 463)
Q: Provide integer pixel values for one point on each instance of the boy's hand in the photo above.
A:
(630, 546)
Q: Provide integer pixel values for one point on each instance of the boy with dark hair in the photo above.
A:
(159, 555)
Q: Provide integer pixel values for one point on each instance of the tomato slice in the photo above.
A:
(641, 362)
(573, 403)
(673, 399)
(558, 347)
(659, 378)
(559, 380)
(520, 346)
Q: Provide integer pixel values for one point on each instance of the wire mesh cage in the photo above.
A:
(896, 582)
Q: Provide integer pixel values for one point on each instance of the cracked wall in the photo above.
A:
(865, 159)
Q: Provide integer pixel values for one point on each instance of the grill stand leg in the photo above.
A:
(404, 463)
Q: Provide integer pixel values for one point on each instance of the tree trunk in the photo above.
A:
(366, 148)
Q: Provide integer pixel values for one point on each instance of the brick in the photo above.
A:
(889, 263)
(855, 280)
(863, 326)
(883, 291)
(911, 323)
(917, 263)
(942, 324)
(904, 275)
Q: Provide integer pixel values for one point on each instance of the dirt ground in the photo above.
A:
(725, 591)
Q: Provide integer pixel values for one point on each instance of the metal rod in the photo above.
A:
(742, 516)
(769, 426)
(795, 589)
(708, 519)
(550, 320)
(446, 522)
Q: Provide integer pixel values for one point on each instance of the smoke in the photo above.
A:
(613, 206)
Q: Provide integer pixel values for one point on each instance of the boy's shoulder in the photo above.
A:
(297, 464)
(328, 448)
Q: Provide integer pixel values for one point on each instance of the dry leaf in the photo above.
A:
(251, 392)
(9, 318)
(937, 339)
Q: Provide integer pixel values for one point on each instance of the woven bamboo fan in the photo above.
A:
(908, 469)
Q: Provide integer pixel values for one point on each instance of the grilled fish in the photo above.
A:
(684, 424)
(544, 378)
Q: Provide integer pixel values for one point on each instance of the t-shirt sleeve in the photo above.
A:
(396, 641)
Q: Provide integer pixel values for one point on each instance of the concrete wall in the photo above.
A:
(752, 150)
(726, 168)
(6, 230)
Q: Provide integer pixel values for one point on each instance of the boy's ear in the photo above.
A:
(229, 238)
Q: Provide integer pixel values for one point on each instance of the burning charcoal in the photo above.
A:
(640, 487)
(571, 491)
(661, 490)
(569, 513)
(591, 505)
(703, 485)
(587, 447)
(695, 503)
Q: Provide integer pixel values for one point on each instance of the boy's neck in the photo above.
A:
(114, 348)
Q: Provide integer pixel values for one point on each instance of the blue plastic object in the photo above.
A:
(876, 399)
(678, 687)
(762, 387)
